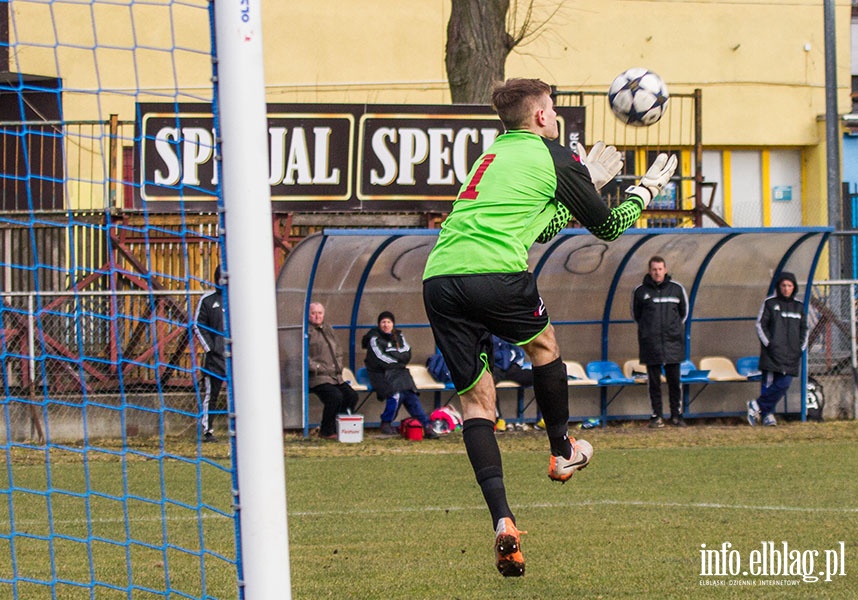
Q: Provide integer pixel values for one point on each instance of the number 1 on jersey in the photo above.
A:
(470, 192)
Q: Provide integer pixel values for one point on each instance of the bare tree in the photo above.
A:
(480, 36)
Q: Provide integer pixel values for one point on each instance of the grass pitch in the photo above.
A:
(396, 519)
(391, 519)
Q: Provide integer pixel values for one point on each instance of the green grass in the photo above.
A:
(391, 519)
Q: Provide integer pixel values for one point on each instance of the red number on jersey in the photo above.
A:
(471, 192)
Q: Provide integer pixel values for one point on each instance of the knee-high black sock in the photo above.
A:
(552, 397)
(485, 457)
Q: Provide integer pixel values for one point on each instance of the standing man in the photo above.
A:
(325, 369)
(782, 329)
(210, 330)
(476, 282)
(660, 307)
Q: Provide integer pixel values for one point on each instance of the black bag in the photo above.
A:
(815, 400)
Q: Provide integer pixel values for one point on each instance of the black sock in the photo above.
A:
(485, 457)
(552, 397)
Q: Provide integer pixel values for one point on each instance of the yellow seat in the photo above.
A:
(423, 378)
(576, 375)
(350, 378)
(505, 383)
(721, 368)
(635, 370)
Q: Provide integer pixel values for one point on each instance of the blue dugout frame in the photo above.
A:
(804, 251)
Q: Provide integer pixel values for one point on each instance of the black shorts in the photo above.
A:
(465, 310)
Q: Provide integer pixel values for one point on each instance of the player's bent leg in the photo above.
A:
(551, 389)
(543, 348)
(552, 396)
(561, 469)
(550, 386)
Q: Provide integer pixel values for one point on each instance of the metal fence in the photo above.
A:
(77, 365)
(79, 344)
(832, 356)
(687, 197)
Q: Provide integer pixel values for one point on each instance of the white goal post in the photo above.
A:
(251, 302)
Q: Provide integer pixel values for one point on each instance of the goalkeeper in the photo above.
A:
(522, 190)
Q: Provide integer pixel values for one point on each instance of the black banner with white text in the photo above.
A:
(328, 157)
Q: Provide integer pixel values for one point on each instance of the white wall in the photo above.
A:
(746, 189)
(785, 171)
(713, 172)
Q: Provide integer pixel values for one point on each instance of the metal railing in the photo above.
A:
(832, 351)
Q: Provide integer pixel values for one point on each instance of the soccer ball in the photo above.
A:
(638, 97)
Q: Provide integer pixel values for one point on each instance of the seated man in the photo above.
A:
(326, 372)
(387, 357)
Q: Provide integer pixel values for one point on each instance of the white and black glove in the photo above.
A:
(603, 162)
(656, 178)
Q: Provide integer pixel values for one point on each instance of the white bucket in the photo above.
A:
(350, 428)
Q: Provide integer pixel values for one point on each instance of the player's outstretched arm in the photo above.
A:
(580, 201)
(639, 196)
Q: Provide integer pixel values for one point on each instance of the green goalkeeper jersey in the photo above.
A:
(510, 199)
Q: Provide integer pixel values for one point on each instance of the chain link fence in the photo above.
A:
(81, 365)
(832, 358)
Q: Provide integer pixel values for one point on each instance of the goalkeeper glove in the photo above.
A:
(603, 162)
(656, 178)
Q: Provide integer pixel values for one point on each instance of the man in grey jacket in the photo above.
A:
(325, 370)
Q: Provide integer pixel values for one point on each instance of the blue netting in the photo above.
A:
(107, 490)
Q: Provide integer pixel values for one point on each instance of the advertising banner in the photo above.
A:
(327, 157)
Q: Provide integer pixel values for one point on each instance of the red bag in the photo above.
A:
(411, 429)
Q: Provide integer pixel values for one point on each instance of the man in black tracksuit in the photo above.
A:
(660, 306)
(210, 330)
(387, 357)
(782, 329)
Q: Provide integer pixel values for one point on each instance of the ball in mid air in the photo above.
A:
(638, 97)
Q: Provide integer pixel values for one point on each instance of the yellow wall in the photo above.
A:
(760, 85)
(760, 63)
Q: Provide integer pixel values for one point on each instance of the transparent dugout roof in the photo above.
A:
(586, 284)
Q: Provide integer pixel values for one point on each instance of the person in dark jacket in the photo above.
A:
(210, 331)
(782, 329)
(325, 371)
(660, 306)
(387, 357)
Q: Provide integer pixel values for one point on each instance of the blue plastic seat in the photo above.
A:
(749, 366)
(607, 372)
(689, 373)
(363, 378)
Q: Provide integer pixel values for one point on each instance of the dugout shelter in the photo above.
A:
(586, 284)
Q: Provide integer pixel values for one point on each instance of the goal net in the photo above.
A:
(108, 489)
